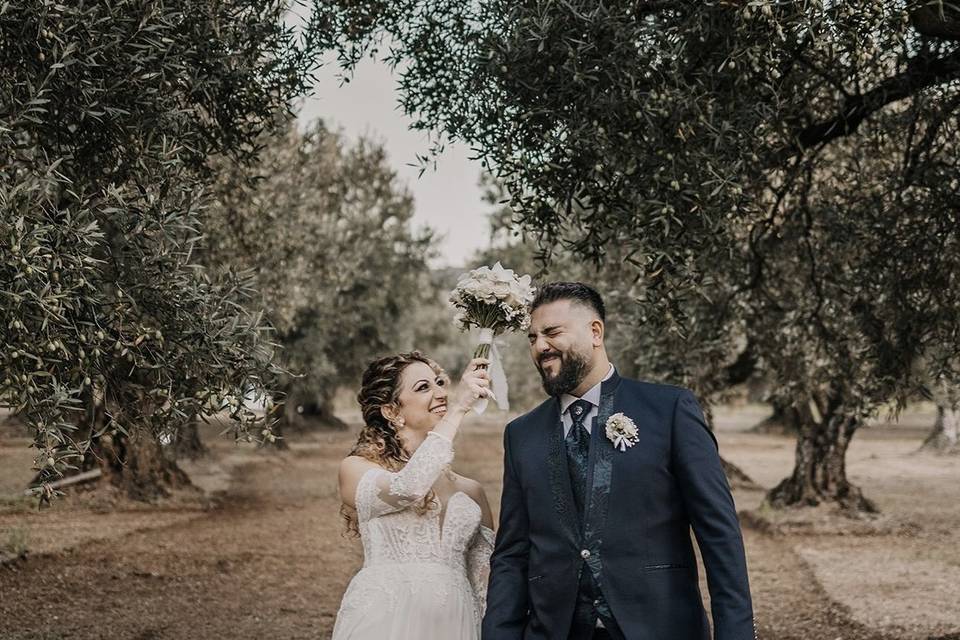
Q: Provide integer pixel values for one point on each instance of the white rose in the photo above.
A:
(502, 290)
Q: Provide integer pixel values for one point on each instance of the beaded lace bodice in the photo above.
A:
(393, 532)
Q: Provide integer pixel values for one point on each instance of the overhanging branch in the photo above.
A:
(920, 74)
(936, 19)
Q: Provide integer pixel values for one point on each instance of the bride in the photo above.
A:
(426, 531)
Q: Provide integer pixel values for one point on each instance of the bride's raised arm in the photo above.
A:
(380, 491)
(374, 491)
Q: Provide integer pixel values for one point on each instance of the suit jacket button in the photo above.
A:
(585, 554)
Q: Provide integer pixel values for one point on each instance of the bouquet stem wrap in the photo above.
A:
(487, 348)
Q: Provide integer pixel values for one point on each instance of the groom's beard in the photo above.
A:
(573, 369)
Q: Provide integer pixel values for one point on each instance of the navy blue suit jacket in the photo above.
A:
(635, 538)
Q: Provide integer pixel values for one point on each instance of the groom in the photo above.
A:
(594, 539)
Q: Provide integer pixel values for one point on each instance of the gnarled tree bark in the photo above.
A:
(134, 462)
(820, 472)
(138, 465)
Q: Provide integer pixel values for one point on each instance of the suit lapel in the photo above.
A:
(560, 476)
(600, 470)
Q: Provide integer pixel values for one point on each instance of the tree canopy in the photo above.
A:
(109, 114)
(339, 269)
(775, 184)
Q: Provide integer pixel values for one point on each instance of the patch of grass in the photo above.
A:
(14, 543)
(18, 504)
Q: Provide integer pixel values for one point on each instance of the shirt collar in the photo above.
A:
(592, 395)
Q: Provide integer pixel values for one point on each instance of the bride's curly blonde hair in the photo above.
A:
(378, 440)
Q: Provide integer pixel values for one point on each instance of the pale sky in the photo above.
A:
(448, 199)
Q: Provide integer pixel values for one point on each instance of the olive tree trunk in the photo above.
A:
(188, 442)
(298, 416)
(305, 411)
(138, 465)
(134, 462)
(783, 421)
(820, 471)
(945, 435)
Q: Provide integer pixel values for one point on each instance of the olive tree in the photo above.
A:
(944, 437)
(777, 181)
(325, 228)
(112, 335)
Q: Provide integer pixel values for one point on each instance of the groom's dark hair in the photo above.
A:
(575, 291)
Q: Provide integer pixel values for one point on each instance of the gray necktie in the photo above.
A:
(578, 452)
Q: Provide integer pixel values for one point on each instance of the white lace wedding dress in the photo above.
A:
(423, 576)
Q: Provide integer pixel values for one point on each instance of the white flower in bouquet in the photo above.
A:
(493, 300)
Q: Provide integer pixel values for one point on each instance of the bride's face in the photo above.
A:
(423, 396)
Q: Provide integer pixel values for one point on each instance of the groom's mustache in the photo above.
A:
(544, 356)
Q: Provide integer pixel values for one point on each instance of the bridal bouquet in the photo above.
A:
(494, 300)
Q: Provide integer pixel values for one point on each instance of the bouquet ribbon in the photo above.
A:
(498, 378)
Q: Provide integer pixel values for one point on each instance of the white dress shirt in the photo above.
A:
(592, 395)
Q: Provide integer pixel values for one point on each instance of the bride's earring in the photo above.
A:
(398, 423)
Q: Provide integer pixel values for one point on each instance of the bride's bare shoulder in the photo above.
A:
(352, 465)
(352, 469)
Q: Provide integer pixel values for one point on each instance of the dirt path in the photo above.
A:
(789, 602)
(255, 567)
(269, 562)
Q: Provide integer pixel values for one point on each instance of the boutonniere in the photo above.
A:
(621, 431)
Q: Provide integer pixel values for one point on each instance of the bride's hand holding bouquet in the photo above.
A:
(473, 387)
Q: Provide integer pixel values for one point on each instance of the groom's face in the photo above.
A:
(562, 344)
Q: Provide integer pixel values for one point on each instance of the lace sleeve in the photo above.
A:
(478, 565)
(381, 491)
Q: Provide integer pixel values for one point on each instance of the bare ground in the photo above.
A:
(258, 553)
